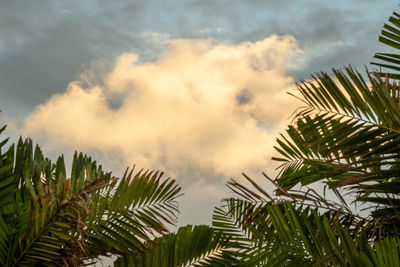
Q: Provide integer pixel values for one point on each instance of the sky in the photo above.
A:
(195, 88)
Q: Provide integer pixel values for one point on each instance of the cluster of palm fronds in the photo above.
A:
(344, 140)
(49, 219)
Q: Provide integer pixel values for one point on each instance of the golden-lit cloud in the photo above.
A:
(200, 106)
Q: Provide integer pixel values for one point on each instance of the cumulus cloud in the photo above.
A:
(202, 106)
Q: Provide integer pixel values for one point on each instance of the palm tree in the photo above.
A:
(47, 219)
(344, 140)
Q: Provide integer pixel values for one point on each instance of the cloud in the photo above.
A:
(42, 46)
(202, 106)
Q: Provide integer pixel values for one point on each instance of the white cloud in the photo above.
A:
(210, 107)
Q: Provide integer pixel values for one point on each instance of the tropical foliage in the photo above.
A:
(344, 141)
(191, 245)
(336, 200)
(49, 219)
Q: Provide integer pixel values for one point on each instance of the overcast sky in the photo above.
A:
(196, 88)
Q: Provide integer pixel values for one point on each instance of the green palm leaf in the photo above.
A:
(8, 181)
(281, 234)
(49, 219)
(390, 36)
(190, 246)
(346, 136)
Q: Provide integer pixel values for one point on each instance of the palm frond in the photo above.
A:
(137, 211)
(281, 234)
(347, 136)
(390, 36)
(8, 181)
(191, 246)
(49, 219)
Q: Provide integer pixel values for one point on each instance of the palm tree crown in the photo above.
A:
(345, 139)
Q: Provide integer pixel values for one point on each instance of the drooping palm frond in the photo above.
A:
(282, 233)
(278, 232)
(136, 212)
(348, 136)
(390, 36)
(246, 239)
(191, 246)
(49, 219)
(345, 137)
